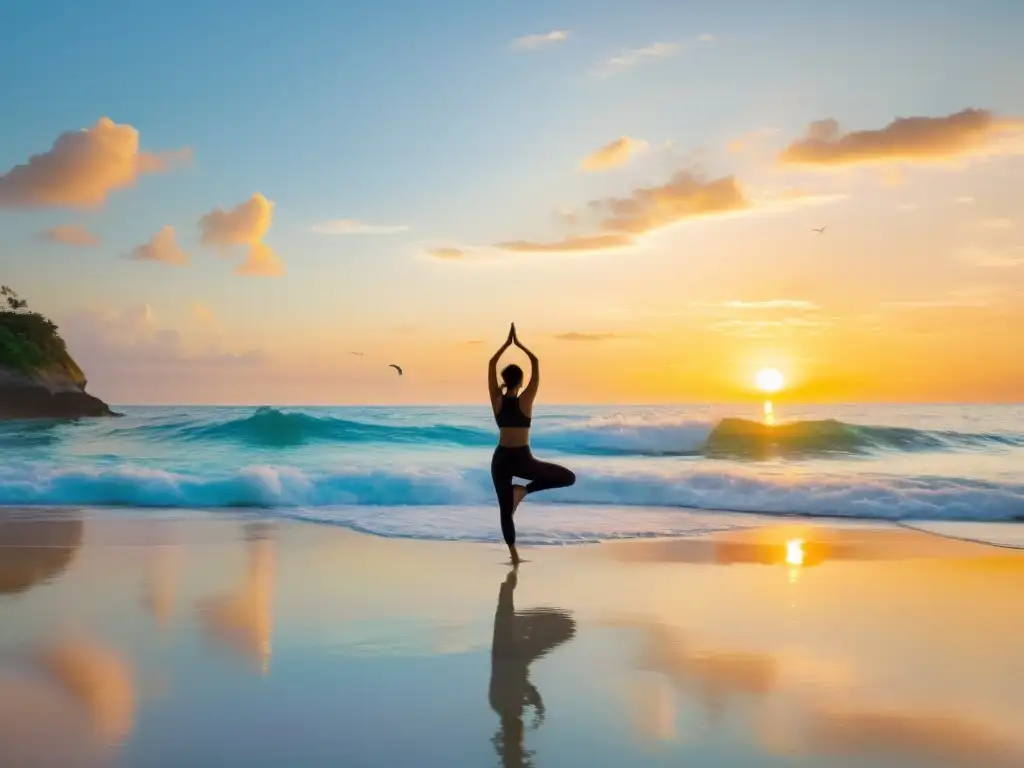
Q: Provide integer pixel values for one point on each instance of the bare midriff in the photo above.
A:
(514, 437)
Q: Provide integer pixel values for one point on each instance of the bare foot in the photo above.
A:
(518, 494)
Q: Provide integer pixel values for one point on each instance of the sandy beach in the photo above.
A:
(149, 639)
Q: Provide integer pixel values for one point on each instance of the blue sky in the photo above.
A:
(424, 115)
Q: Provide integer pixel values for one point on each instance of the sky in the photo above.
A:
(222, 205)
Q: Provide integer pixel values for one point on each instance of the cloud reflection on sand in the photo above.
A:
(70, 702)
(160, 586)
(36, 546)
(798, 705)
(243, 621)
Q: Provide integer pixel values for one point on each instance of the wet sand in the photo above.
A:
(153, 639)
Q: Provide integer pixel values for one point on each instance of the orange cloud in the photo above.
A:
(569, 244)
(161, 247)
(769, 304)
(646, 209)
(448, 253)
(576, 336)
(245, 224)
(82, 168)
(685, 196)
(261, 262)
(100, 681)
(70, 234)
(612, 154)
(905, 139)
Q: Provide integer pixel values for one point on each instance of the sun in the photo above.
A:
(769, 380)
(795, 552)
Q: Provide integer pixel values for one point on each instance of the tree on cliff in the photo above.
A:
(11, 301)
(28, 340)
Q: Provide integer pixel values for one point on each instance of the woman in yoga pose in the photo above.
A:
(513, 410)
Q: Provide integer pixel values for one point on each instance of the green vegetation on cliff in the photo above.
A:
(29, 342)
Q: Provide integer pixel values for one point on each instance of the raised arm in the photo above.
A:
(527, 396)
(493, 389)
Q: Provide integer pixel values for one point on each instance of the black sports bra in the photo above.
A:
(510, 414)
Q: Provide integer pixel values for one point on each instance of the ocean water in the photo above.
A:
(424, 472)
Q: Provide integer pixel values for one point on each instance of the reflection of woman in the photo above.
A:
(519, 640)
(36, 549)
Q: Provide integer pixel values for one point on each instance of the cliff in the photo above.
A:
(38, 378)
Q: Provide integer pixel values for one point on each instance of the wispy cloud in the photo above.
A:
(996, 258)
(765, 318)
(613, 154)
(530, 42)
(996, 223)
(706, 37)
(632, 58)
(161, 247)
(450, 254)
(766, 328)
(971, 297)
(83, 167)
(907, 140)
(569, 244)
(70, 234)
(799, 304)
(353, 227)
(576, 336)
(790, 198)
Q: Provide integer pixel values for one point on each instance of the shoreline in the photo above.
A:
(1004, 534)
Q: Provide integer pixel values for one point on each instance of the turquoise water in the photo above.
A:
(424, 472)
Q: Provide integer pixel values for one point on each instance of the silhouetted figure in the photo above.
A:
(513, 410)
(519, 640)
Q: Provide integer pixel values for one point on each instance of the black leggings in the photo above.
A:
(508, 463)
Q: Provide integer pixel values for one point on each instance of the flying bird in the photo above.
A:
(397, 368)
(357, 354)
(820, 231)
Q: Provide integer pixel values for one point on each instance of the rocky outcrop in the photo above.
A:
(38, 377)
(56, 391)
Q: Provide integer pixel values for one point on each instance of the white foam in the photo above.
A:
(535, 523)
(678, 484)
